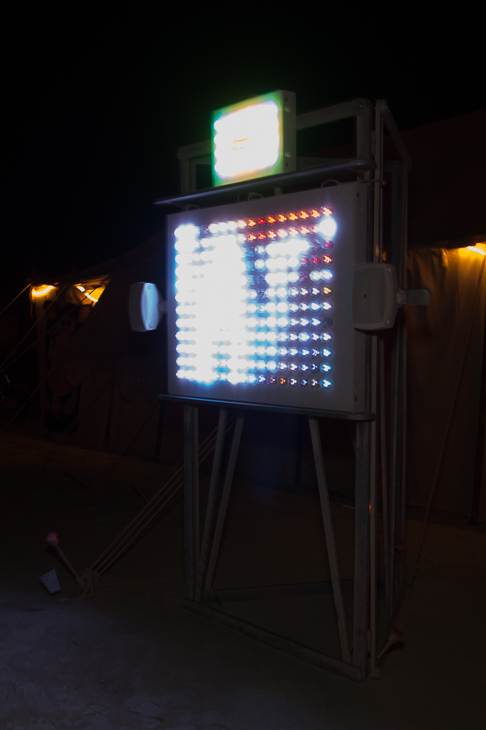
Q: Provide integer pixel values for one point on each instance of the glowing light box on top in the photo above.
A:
(260, 300)
(254, 138)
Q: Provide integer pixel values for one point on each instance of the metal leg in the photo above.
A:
(361, 546)
(211, 506)
(224, 503)
(330, 541)
(191, 500)
(394, 462)
(384, 480)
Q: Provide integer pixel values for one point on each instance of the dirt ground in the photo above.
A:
(130, 657)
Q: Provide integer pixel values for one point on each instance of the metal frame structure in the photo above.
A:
(379, 437)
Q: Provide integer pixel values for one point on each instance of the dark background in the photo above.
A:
(96, 105)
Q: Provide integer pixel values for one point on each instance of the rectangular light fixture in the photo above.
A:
(254, 138)
(260, 300)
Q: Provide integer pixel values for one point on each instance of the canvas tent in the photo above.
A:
(102, 379)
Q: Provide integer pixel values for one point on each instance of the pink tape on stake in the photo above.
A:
(395, 637)
(53, 540)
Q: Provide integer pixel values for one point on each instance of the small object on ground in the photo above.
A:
(50, 582)
(396, 636)
(53, 540)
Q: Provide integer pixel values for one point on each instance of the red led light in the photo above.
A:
(251, 223)
(315, 260)
(292, 217)
(328, 244)
(271, 234)
(327, 211)
(261, 221)
(271, 380)
(282, 381)
(315, 214)
(271, 219)
(293, 231)
(304, 230)
(261, 235)
(252, 237)
(303, 214)
(282, 218)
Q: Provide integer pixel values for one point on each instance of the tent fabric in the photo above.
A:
(446, 193)
(445, 348)
(111, 375)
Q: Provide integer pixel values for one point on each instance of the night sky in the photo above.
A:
(96, 107)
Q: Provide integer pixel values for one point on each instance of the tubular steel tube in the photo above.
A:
(211, 505)
(224, 503)
(330, 540)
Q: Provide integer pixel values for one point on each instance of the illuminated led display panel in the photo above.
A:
(254, 138)
(260, 300)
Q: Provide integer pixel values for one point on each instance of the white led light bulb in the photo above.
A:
(327, 227)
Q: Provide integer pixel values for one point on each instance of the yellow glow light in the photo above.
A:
(476, 249)
(42, 291)
(88, 296)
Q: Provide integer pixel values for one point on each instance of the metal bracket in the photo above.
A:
(376, 297)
